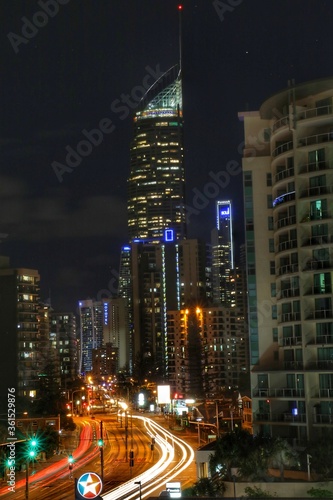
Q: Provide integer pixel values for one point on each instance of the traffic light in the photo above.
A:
(32, 451)
(70, 462)
(100, 443)
(131, 462)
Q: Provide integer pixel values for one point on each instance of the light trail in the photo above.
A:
(156, 477)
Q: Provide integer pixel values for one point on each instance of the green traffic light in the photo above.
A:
(70, 459)
(33, 442)
(32, 453)
(100, 442)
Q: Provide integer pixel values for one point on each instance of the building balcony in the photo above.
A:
(316, 217)
(321, 111)
(320, 365)
(318, 290)
(315, 139)
(316, 191)
(285, 222)
(326, 393)
(321, 340)
(288, 292)
(283, 122)
(314, 265)
(284, 198)
(284, 174)
(279, 417)
(287, 269)
(290, 316)
(323, 418)
(290, 341)
(315, 167)
(293, 365)
(286, 245)
(320, 314)
(283, 148)
(281, 392)
(317, 240)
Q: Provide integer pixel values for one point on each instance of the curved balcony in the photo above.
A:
(280, 123)
(318, 290)
(285, 222)
(284, 198)
(283, 148)
(284, 174)
(289, 292)
(288, 269)
(306, 114)
(315, 139)
(321, 340)
(286, 245)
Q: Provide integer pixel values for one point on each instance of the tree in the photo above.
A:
(251, 455)
(206, 487)
(320, 493)
(257, 492)
(321, 452)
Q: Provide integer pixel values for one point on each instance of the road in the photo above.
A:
(170, 458)
(176, 456)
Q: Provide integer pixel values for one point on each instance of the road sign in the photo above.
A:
(89, 485)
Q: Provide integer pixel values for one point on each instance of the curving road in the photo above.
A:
(176, 457)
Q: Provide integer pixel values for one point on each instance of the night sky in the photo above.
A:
(72, 73)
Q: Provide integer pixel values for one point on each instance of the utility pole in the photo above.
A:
(101, 450)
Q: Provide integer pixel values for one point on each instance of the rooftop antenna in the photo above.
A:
(180, 9)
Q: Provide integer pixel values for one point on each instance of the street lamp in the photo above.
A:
(72, 394)
(139, 483)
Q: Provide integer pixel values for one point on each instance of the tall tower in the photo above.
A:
(288, 194)
(222, 254)
(156, 184)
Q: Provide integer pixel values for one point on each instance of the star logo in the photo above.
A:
(89, 485)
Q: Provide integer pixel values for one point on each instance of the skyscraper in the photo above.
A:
(21, 358)
(222, 254)
(156, 184)
(288, 195)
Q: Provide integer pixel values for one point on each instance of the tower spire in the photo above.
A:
(180, 9)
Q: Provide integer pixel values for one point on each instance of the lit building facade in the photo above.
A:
(222, 254)
(207, 351)
(64, 343)
(21, 358)
(91, 331)
(288, 197)
(156, 184)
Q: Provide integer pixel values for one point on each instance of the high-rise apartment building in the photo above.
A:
(104, 324)
(91, 331)
(64, 343)
(20, 357)
(156, 184)
(288, 197)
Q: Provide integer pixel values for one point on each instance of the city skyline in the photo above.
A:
(68, 102)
